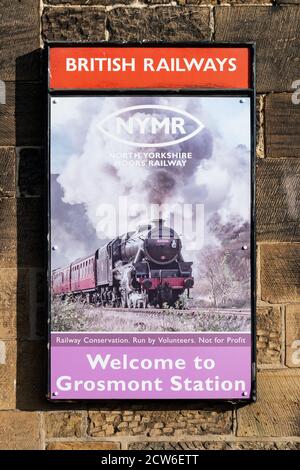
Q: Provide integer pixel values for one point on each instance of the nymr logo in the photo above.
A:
(150, 125)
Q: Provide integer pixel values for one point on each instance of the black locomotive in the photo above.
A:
(133, 270)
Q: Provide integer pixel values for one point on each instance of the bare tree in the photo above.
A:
(226, 267)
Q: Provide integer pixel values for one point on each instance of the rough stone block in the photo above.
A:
(197, 2)
(282, 125)
(8, 359)
(280, 271)
(215, 445)
(276, 412)
(31, 375)
(22, 116)
(7, 171)
(241, 2)
(276, 31)
(31, 178)
(7, 116)
(19, 430)
(8, 233)
(29, 114)
(282, 2)
(159, 423)
(83, 445)
(63, 424)
(22, 303)
(8, 298)
(268, 334)
(278, 200)
(31, 236)
(19, 304)
(292, 335)
(85, 2)
(73, 24)
(159, 24)
(19, 36)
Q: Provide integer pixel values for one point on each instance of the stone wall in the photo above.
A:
(27, 421)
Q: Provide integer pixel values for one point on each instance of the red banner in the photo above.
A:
(149, 67)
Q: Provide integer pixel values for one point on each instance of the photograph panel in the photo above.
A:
(150, 213)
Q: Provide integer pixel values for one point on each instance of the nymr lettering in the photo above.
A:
(151, 125)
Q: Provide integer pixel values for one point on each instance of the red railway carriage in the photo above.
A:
(83, 274)
(61, 280)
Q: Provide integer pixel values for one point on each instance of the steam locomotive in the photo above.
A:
(136, 269)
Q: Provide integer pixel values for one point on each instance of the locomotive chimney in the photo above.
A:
(158, 222)
(158, 227)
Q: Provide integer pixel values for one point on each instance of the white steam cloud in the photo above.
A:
(91, 178)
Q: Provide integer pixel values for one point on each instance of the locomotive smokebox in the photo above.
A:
(156, 242)
(162, 244)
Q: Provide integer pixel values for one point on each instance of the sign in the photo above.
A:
(145, 67)
(151, 237)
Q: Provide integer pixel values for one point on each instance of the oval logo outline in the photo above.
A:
(151, 144)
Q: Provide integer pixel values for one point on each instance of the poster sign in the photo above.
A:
(151, 245)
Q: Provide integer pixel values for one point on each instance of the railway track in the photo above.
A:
(180, 312)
